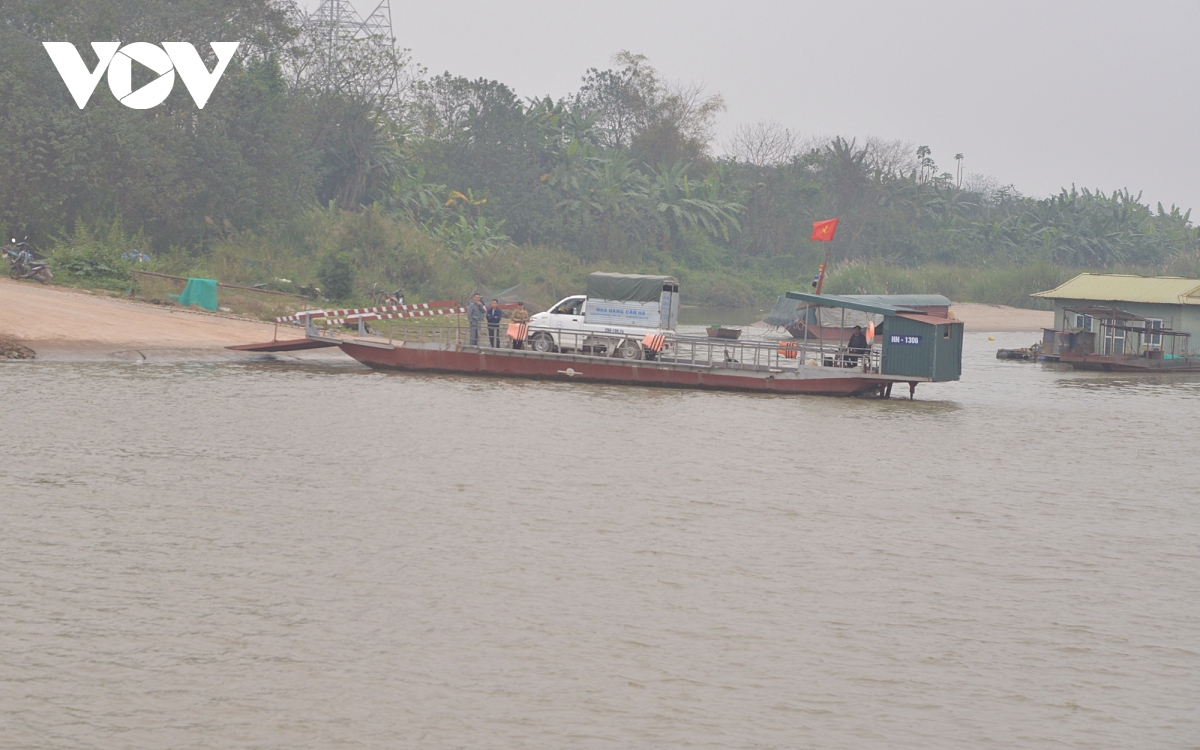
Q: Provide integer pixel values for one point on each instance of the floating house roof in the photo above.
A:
(1119, 287)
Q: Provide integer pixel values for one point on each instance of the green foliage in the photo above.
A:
(1009, 285)
(720, 290)
(93, 258)
(336, 274)
(359, 174)
(90, 262)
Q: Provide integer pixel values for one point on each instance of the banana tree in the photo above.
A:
(683, 207)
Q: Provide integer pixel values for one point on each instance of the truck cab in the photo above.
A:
(612, 319)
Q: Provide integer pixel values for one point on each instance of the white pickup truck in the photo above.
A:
(612, 319)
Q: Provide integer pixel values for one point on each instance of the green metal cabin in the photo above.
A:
(914, 344)
(918, 345)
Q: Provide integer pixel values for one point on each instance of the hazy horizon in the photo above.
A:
(1038, 95)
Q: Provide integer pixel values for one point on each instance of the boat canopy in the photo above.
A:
(787, 309)
(851, 303)
(629, 287)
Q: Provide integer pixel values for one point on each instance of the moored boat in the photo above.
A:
(913, 348)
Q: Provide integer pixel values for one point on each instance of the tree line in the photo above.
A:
(624, 173)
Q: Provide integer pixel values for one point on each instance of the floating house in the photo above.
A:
(1147, 302)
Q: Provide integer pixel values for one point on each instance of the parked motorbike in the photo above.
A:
(22, 264)
(383, 299)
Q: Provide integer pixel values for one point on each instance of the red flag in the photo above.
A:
(823, 231)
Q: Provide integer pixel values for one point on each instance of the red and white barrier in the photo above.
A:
(300, 317)
(393, 316)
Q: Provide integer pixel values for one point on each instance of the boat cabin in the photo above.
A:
(909, 342)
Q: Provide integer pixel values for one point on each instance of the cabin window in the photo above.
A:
(945, 332)
(1083, 322)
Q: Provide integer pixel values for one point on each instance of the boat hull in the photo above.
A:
(1110, 363)
(526, 364)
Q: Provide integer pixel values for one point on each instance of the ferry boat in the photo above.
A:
(911, 347)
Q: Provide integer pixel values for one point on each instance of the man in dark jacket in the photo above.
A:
(494, 314)
(475, 315)
(858, 347)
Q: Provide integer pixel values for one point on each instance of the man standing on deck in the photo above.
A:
(476, 312)
(494, 314)
(857, 348)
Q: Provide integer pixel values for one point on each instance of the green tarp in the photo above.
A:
(201, 293)
(627, 287)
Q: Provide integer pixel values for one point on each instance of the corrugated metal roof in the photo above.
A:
(1116, 287)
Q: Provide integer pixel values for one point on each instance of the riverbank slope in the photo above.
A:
(57, 322)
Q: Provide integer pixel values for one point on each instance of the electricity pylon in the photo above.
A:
(343, 40)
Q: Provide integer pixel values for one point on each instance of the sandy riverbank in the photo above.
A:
(61, 323)
(1001, 319)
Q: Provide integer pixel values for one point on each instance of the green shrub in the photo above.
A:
(90, 262)
(718, 291)
(336, 274)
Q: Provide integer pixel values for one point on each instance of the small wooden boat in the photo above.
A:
(724, 333)
(1027, 354)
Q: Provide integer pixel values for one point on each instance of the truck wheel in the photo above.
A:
(629, 350)
(542, 342)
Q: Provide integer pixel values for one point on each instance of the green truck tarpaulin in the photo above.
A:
(201, 293)
(627, 287)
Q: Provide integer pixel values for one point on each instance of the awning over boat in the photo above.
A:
(850, 303)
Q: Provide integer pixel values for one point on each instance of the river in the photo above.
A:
(275, 555)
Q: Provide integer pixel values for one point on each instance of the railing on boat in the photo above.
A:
(680, 349)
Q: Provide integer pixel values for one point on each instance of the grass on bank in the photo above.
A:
(346, 253)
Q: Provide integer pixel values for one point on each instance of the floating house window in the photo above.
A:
(1114, 338)
(1083, 322)
(1154, 340)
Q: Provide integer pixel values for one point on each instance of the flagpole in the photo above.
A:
(824, 231)
(825, 265)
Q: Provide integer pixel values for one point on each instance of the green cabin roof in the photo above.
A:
(850, 303)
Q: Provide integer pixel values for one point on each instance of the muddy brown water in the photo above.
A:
(273, 555)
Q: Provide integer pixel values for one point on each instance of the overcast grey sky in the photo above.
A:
(1038, 94)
